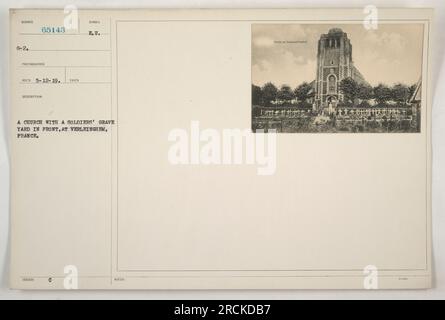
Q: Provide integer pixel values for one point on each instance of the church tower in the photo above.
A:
(334, 63)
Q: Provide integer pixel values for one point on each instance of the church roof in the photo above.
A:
(313, 88)
(417, 92)
(335, 30)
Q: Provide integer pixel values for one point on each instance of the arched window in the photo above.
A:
(332, 84)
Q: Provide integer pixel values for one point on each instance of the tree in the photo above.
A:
(285, 93)
(303, 91)
(350, 88)
(382, 93)
(269, 93)
(400, 93)
(256, 95)
(365, 92)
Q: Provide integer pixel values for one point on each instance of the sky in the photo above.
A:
(287, 53)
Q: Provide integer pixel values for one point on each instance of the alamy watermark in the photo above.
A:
(370, 22)
(371, 279)
(71, 279)
(71, 17)
(223, 147)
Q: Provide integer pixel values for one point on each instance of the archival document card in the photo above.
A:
(220, 149)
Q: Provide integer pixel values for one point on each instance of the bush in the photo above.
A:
(345, 104)
(364, 104)
(405, 125)
(358, 128)
(256, 111)
(381, 105)
(372, 124)
(304, 105)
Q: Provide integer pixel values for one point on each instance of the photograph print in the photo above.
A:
(337, 78)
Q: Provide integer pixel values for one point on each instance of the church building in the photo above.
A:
(334, 63)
